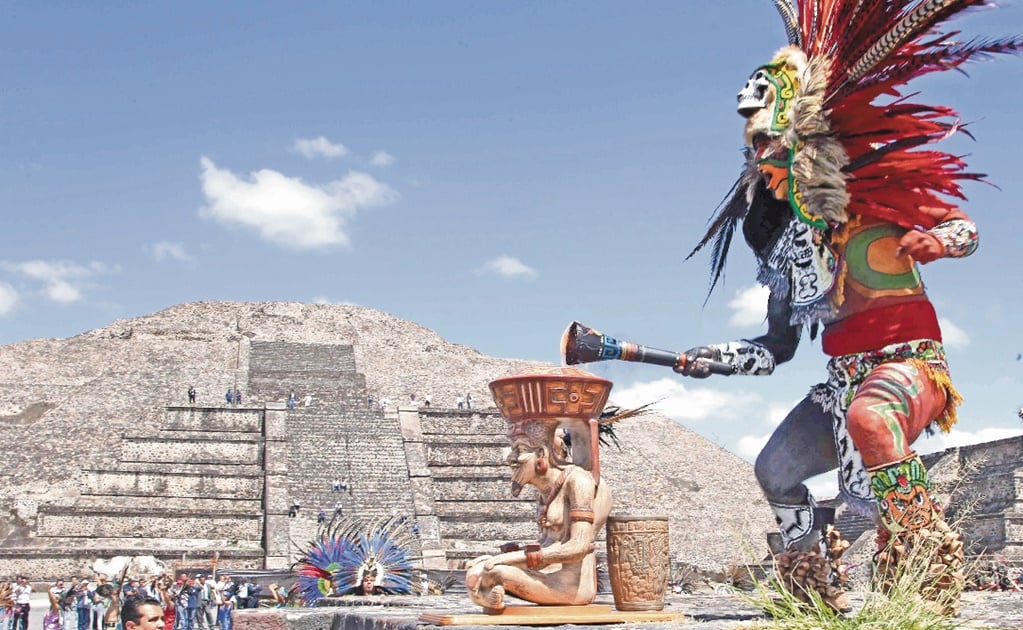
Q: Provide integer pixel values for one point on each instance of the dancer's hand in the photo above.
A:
(923, 246)
(695, 368)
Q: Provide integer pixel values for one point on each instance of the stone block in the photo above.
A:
(275, 455)
(255, 619)
(278, 535)
(415, 456)
(462, 422)
(168, 483)
(408, 421)
(422, 495)
(278, 498)
(156, 525)
(472, 490)
(213, 419)
(493, 509)
(471, 454)
(490, 531)
(160, 451)
(276, 424)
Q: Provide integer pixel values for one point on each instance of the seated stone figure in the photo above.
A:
(560, 568)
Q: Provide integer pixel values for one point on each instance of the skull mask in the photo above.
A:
(755, 96)
(766, 100)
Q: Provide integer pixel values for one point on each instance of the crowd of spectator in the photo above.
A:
(189, 602)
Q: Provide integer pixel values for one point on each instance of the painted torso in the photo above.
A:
(882, 298)
(875, 276)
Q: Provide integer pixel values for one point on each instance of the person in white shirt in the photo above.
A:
(22, 593)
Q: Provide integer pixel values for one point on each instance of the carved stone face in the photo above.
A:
(522, 460)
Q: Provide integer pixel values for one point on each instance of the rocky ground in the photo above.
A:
(704, 611)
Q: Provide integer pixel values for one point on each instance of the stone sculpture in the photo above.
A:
(573, 504)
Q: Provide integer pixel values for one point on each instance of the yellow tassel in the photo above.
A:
(953, 399)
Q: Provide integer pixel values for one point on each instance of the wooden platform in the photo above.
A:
(550, 616)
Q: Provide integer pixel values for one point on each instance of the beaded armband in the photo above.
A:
(747, 357)
(958, 237)
(581, 514)
(534, 556)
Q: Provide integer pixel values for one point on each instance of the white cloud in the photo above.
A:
(508, 267)
(749, 306)
(940, 441)
(824, 485)
(62, 281)
(381, 158)
(311, 148)
(679, 402)
(8, 299)
(167, 250)
(322, 299)
(748, 446)
(952, 336)
(286, 210)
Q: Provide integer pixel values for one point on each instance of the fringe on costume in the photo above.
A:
(939, 375)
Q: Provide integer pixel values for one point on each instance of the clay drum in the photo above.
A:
(638, 561)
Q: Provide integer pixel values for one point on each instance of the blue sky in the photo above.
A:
(490, 170)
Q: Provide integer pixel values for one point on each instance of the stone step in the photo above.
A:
(1013, 527)
(498, 472)
(148, 503)
(145, 545)
(299, 357)
(852, 525)
(477, 453)
(486, 531)
(472, 489)
(157, 523)
(1017, 486)
(512, 509)
(1012, 553)
(464, 422)
(188, 435)
(212, 419)
(207, 469)
(177, 483)
(186, 452)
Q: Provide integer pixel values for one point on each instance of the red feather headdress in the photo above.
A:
(842, 139)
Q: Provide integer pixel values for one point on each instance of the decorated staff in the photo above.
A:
(582, 344)
(841, 197)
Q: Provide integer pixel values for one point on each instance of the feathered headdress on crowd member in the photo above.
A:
(346, 549)
(830, 132)
(6, 595)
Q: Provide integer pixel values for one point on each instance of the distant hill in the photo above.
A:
(64, 404)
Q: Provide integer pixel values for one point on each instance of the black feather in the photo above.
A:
(722, 226)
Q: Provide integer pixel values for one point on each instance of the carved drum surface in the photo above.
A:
(638, 561)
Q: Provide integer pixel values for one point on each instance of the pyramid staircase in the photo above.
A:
(192, 489)
(469, 483)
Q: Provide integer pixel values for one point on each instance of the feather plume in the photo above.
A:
(915, 23)
(946, 56)
(333, 563)
(613, 415)
(729, 212)
(788, 18)
(6, 595)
